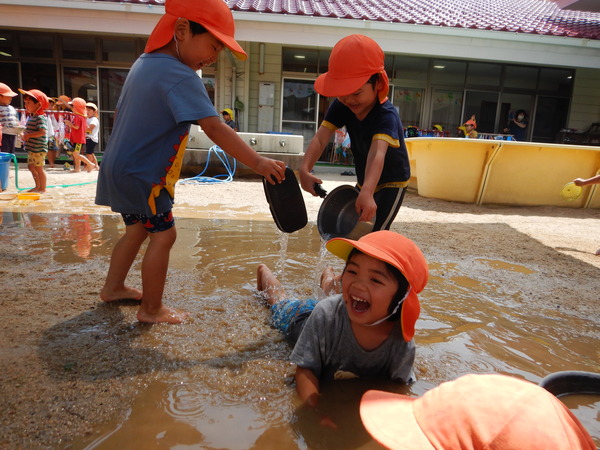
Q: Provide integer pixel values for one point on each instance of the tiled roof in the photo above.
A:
(516, 16)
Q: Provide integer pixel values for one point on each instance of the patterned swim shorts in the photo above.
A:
(152, 224)
(289, 314)
(37, 159)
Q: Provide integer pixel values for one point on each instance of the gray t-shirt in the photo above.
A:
(329, 349)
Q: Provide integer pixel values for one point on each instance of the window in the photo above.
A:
(559, 81)
(300, 60)
(409, 102)
(39, 76)
(39, 45)
(520, 77)
(447, 72)
(408, 68)
(118, 50)
(483, 74)
(79, 47)
(81, 83)
(299, 108)
(446, 109)
(483, 105)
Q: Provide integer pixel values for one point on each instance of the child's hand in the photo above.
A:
(271, 169)
(365, 207)
(579, 181)
(308, 181)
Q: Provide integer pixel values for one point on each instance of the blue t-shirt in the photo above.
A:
(142, 161)
(328, 348)
(382, 122)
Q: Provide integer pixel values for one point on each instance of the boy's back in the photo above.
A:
(157, 98)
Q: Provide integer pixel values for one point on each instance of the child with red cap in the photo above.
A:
(9, 120)
(35, 136)
(474, 412)
(470, 128)
(368, 329)
(357, 77)
(162, 97)
(78, 126)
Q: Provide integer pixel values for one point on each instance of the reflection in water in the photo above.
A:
(223, 381)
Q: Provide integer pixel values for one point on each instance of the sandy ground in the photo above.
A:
(41, 410)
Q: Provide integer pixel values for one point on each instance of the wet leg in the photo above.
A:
(154, 276)
(268, 285)
(121, 260)
(330, 282)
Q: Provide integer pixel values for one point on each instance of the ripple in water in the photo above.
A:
(184, 400)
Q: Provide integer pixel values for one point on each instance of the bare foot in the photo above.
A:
(598, 252)
(163, 315)
(75, 170)
(268, 285)
(127, 293)
(330, 282)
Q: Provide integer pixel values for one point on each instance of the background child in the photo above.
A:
(366, 330)
(78, 127)
(162, 96)
(470, 128)
(8, 119)
(373, 124)
(586, 182)
(92, 131)
(35, 136)
(227, 114)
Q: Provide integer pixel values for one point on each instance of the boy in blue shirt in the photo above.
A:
(161, 98)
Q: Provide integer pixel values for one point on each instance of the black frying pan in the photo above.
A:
(286, 203)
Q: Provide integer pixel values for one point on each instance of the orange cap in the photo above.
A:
(5, 90)
(353, 60)
(400, 252)
(40, 97)
(474, 412)
(214, 15)
(79, 106)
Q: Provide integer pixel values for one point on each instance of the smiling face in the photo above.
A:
(196, 50)
(368, 288)
(362, 101)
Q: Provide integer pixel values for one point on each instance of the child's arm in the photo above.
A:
(314, 150)
(224, 136)
(33, 134)
(584, 182)
(71, 124)
(365, 203)
(307, 386)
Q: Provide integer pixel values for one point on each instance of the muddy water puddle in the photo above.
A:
(223, 380)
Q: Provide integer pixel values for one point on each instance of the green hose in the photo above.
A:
(14, 157)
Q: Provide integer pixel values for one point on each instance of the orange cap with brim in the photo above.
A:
(353, 60)
(79, 106)
(214, 15)
(483, 411)
(40, 97)
(404, 255)
(471, 122)
(5, 90)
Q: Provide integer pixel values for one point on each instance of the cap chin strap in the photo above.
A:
(392, 313)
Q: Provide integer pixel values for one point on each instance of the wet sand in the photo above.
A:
(48, 406)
